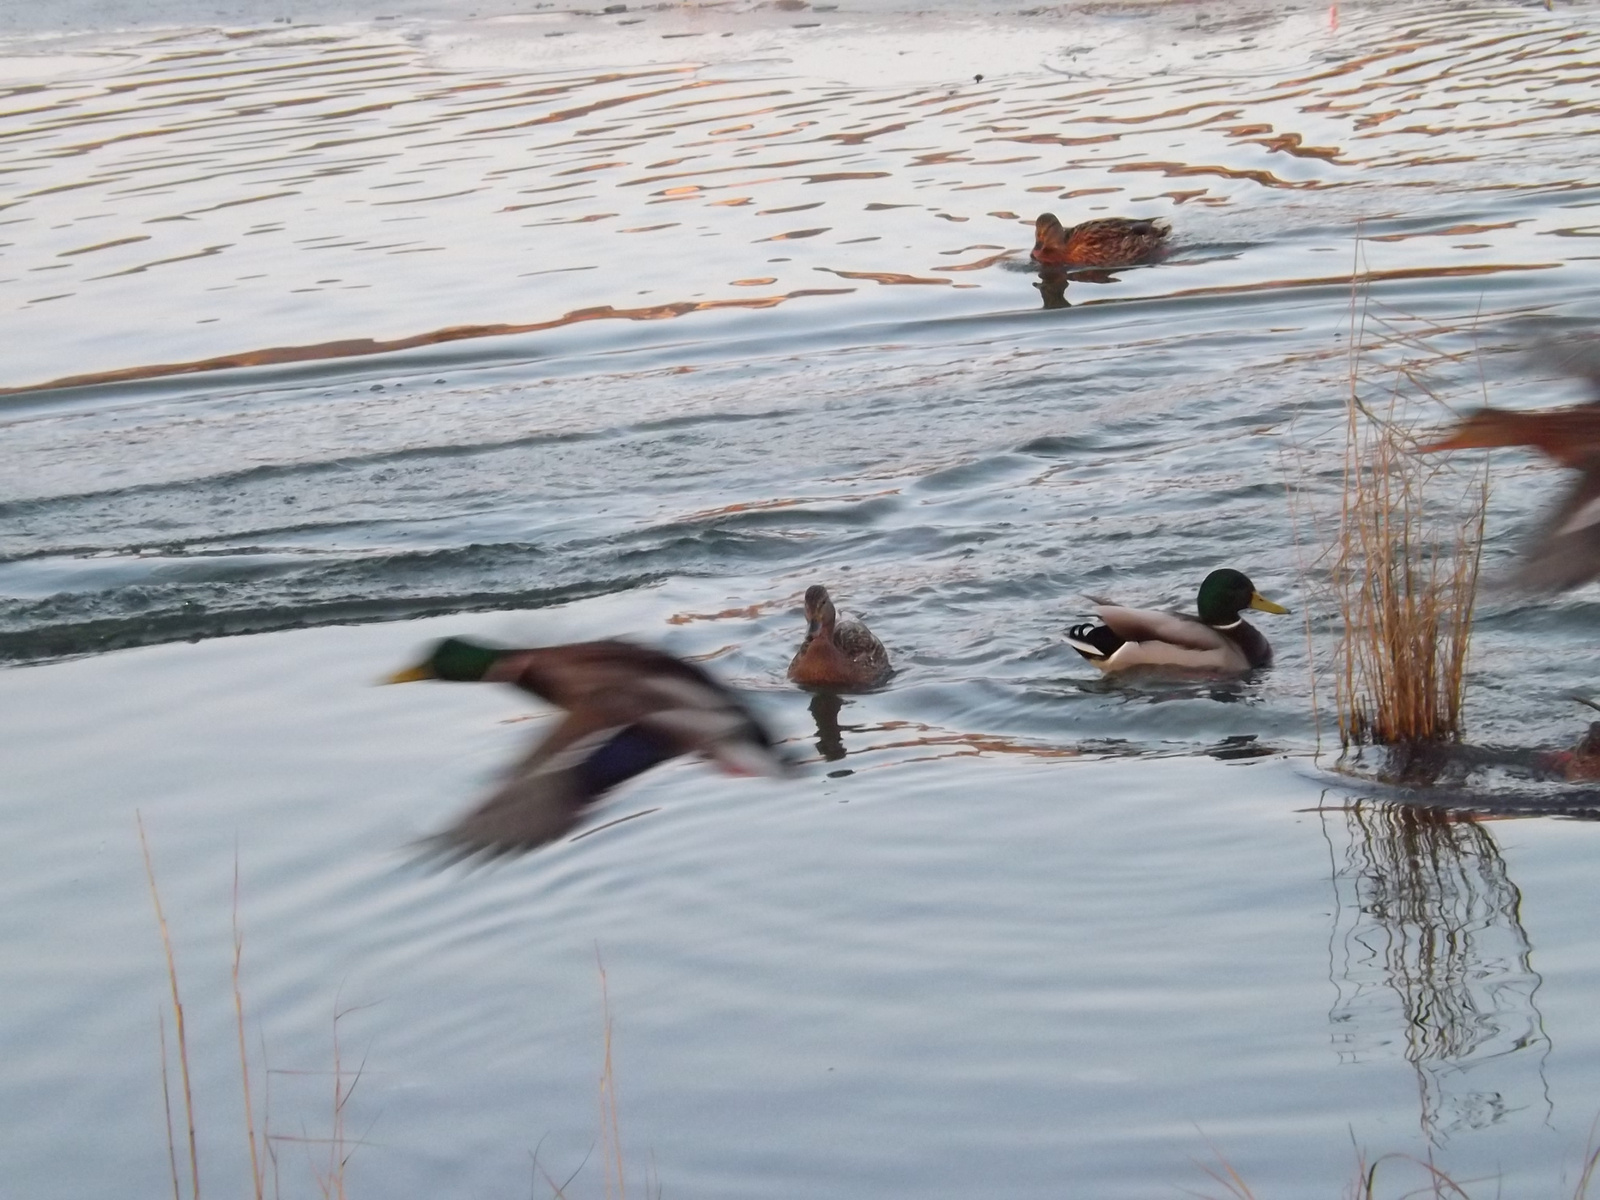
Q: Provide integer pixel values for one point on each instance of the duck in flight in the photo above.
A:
(1566, 550)
(1216, 641)
(838, 654)
(628, 708)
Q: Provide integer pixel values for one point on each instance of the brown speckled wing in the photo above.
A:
(1114, 241)
(546, 793)
(860, 644)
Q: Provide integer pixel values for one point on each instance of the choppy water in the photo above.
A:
(556, 325)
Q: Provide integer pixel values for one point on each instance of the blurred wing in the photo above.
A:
(1578, 357)
(548, 791)
(1142, 625)
(1567, 551)
(699, 715)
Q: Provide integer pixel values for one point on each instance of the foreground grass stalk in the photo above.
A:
(266, 1120)
(256, 1176)
(610, 1129)
(166, 1103)
(1438, 1184)
(177, 1012)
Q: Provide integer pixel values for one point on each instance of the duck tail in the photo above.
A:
(1094, 641)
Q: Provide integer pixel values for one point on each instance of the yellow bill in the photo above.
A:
(1257, 600)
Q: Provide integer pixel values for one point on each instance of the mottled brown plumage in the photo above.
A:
(1105, 242)
(838, 655)
(1566, 550)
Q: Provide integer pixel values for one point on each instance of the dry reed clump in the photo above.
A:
(1403, 560)
(1405, 574)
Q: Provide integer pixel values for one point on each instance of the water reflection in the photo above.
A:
(1428, 950)
(1240, 746)
(1052, 282)
(888, 743)
(1052, 287)
(825, 708)
(215, 197)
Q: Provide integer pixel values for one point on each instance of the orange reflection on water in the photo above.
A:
(710, 514)
(942, 744)
(357, 347)
(216, 181)
(885, 277)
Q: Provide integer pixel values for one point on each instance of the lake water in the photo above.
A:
(331, 332)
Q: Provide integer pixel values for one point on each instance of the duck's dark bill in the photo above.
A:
(1257, 600)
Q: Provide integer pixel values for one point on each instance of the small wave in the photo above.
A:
(59, 635)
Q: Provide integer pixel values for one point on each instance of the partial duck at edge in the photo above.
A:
(1566, 549)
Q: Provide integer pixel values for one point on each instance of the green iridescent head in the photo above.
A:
(1226, 593)
(454, 659)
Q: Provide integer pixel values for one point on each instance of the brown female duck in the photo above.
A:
(837, 654)
(1105, 242)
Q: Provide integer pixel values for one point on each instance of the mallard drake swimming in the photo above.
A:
(838, 655)
(1218, 641)
(628, 708)
(1566, 551)
(1104, 242)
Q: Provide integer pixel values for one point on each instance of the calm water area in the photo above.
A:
(331, 330)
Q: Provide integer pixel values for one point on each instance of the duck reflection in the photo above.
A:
(825, 708)
(1052, 283)
(1052, 287)
(1428, 944)
(1239, 746)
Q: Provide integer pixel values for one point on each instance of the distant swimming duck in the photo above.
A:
(1566, 551)
(1104, 242)
(628, 708)
(1218, 641)
(837, 654)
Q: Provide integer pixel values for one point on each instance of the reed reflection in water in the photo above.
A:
(1428, 943)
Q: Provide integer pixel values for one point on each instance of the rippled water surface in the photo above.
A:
(324, 337)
